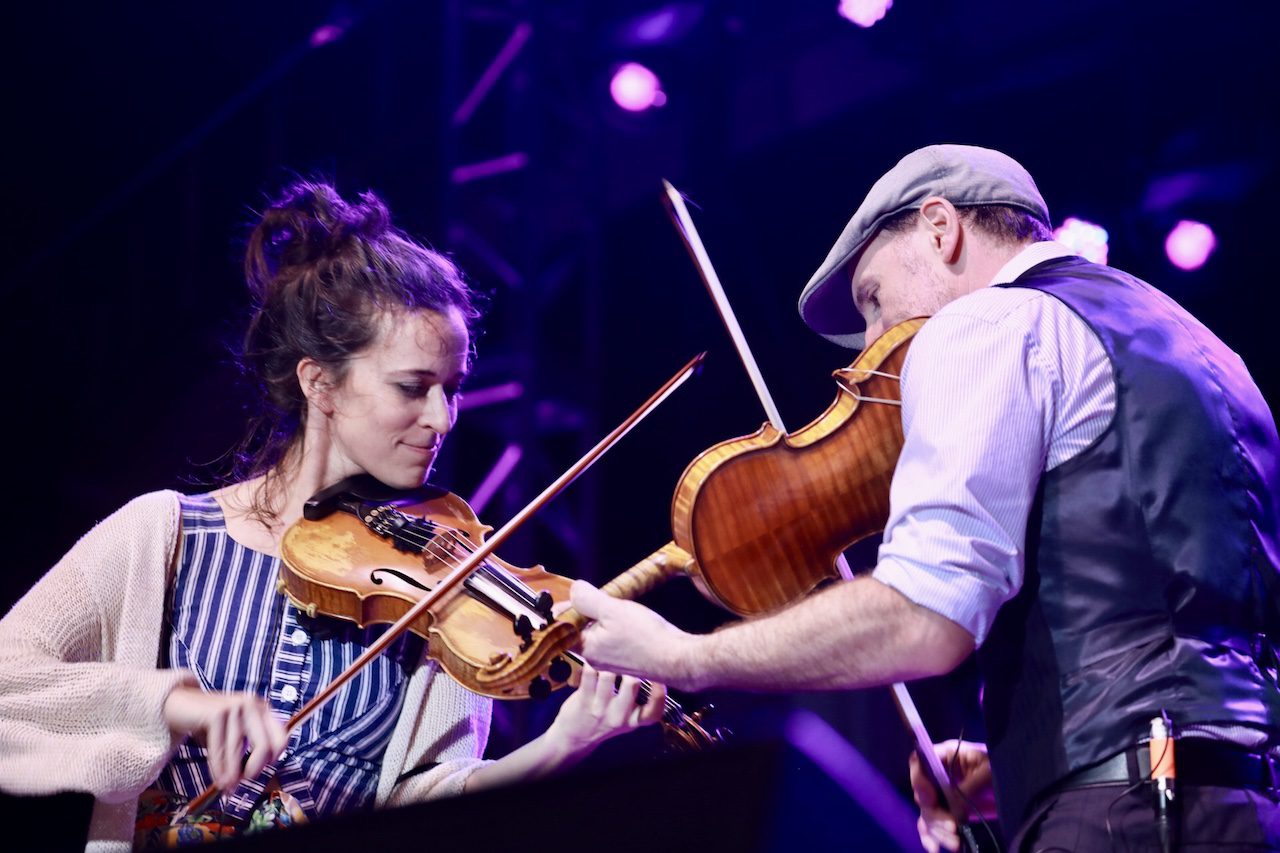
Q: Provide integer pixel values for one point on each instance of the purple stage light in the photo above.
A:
(1088, 239)
(636, 88)
(1189, 244)
(864, 13)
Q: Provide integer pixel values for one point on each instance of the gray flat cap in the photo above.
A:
(964, 175)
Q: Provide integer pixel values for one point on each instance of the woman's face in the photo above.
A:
(399, 398)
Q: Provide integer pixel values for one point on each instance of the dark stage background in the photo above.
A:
(141, 138)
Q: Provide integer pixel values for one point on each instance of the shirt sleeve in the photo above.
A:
(442, 744)
(79, 708)
(978, 412)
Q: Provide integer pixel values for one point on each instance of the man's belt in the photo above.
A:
(1198, 762)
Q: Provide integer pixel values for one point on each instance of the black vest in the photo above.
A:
(1153, 557)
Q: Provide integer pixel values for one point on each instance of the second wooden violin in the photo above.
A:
(760, 521)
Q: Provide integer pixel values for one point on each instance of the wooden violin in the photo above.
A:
(367, 553)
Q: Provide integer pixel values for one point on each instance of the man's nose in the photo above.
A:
(874, 330)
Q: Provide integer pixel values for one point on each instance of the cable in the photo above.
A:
(968, 802)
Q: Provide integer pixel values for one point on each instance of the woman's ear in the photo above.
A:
(313, 379)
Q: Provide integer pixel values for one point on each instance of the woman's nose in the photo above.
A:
(437, 412)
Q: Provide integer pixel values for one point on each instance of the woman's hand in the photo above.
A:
(604, 705)
(970, 770)
(225, 721)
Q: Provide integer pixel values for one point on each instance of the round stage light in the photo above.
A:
(636, 88)
(1085, 237)
(1189, 244)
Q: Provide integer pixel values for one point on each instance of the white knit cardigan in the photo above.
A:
(81, 697)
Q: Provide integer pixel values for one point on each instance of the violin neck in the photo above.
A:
(667, 562)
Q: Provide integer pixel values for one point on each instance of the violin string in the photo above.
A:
(894, 376)
(862, 399)
(427, 542)
(487, 569)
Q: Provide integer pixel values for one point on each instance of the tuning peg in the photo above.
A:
(539, 688)
(544, 605)
(559, 670)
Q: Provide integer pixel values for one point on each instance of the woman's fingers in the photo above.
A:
(622, 708)
(261, 742)
(233, 745)
(229, 724)
(654, 707)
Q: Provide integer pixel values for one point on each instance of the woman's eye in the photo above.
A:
(412, 390)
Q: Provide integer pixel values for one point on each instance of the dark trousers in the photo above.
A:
(1111, 818)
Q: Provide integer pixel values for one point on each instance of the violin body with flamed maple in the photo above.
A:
(367, 554)
(765, 517)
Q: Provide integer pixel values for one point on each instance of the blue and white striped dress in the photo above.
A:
(231, 627)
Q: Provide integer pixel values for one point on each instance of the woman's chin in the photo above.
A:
(404, 478)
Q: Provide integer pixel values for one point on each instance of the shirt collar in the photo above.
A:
(1036, 253)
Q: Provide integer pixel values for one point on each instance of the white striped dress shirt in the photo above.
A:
(233, 629)
(998, 387)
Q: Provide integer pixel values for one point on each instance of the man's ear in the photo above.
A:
(942, 224)
(313, 379)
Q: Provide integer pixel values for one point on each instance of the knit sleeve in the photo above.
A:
(81, 699)
(446, 739)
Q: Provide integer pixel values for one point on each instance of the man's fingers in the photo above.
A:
(925, 794)
(927, 841)
(587, 600)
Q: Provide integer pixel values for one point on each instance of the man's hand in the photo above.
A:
(630, 638)
(970, 770)
(225, 721)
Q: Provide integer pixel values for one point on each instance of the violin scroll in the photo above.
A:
(506, 670)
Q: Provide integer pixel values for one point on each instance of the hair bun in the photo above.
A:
(307, 224)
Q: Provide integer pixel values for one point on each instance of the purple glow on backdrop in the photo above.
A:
(636, 88)
(864, 13)
(1189, 244)
(663, 25)
(497, 475)
(488, 168)
(1088, 239)
(656, 27)
(847, 767)
(326, 33)
(476, 398)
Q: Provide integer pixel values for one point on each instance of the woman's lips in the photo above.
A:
(425, 450)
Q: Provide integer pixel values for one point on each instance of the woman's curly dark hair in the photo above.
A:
(322, 271)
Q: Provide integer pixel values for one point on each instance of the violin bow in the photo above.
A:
(470, 564)
(675, 204)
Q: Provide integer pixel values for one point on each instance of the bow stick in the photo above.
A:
(470, 564)
(679, 212)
